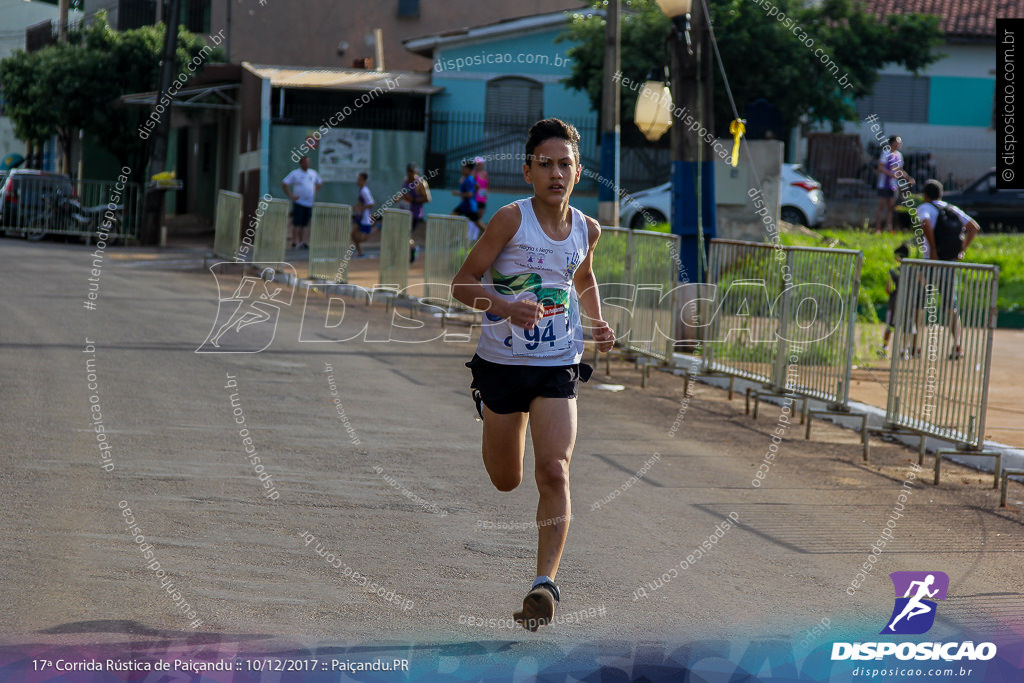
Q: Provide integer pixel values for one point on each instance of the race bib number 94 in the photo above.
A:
(550, 336)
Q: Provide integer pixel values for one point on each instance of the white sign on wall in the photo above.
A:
(344, 153)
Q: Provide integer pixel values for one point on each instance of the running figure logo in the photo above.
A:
(247, 318)
(916, 593)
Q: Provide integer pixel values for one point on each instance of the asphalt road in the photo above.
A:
(386, 482)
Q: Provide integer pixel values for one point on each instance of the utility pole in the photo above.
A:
(62, 36)
(608, 186)
(690, 72)
(62, 28)
(153, 209)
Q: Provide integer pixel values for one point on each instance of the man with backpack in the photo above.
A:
(948, 231)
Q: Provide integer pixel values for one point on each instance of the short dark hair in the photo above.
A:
(364, 175)
(933, 189)
(469, 164)
(902, 251)
(552, 128)
(892, 139)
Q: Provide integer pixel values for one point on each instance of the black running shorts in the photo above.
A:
(511, 388)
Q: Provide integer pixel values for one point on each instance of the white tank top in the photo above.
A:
(535, 267)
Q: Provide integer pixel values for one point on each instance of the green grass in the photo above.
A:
(660, 227)
(1003, 250)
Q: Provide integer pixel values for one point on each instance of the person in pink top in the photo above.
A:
(480, 175)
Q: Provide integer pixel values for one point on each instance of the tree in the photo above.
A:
(797, 64)
(74, 86)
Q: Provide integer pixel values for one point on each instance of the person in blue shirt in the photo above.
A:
(468, 206)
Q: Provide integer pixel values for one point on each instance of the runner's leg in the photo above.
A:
(883, 205)
(357, 241)
(553, 427)
(504, 443)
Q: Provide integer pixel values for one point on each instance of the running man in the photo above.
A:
(468, 206)
(362, 215)
(529, 272)
(914, 606)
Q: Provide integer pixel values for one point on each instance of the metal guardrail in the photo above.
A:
(446, 249)
(330, 242)
(227, 224)
(272, 234)
(748, 278)
(821, 321)
(936, 389)
(612, 272)
(636, 274)
(654, 274)
(41, 205)
(395, 233)
(784, 317)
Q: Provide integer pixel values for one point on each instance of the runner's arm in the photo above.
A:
(971, 229)
(589, 296)
(926, 227)
(466, 285)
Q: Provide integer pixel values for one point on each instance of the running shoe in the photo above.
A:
(538, 606)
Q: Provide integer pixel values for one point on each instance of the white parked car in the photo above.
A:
(802, 202)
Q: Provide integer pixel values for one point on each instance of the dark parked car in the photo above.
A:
(35, 202)
(995, 210)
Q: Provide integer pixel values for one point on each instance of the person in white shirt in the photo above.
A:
(301, 185)
(948, 231)
(362, 217)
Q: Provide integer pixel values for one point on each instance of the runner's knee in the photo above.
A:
(506, 481)
(553, 474)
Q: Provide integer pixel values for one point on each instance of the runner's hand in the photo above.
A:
(603, 335)
(524, 314)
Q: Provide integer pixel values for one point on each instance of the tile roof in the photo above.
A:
(959, 18)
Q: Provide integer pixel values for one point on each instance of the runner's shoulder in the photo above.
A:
(593, 228)
(506, 220)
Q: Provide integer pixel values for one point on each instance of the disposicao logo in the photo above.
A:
(913, 613)
(916, 593)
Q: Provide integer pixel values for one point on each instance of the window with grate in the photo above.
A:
(513, 99)
(408, 8)
(898, 99)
